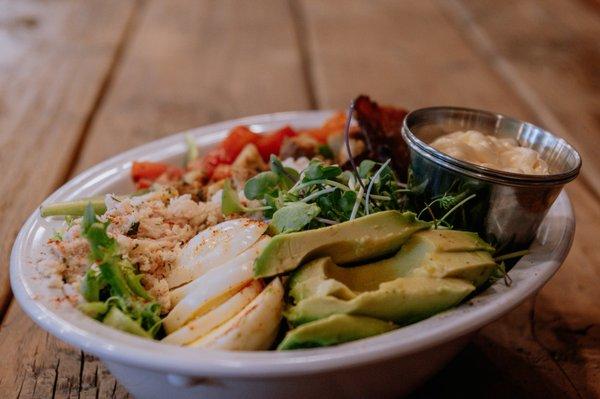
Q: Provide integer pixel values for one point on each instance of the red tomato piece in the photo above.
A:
(147, 170)
(238, 138)
(335, 124)
(268, 144)
(143, 183)
(211, 160)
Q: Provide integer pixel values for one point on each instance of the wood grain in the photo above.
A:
(556, 71)
(548, 347)
(196, 62)
(89, 79)
(54, 59)
(390, 51)
(187, 63)
(549, 53)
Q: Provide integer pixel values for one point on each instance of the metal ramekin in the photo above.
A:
(508, 207)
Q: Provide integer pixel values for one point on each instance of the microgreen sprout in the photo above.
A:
(334, 195)
(373, 180)
(455, 207)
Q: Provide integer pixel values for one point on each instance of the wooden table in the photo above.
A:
(83, 80)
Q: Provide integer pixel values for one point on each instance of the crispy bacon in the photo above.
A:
(380, 128)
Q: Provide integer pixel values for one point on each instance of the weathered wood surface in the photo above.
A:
(164, 66)
(191, 63)
(550, 347)
(54, 59)
(187, 63)
(548, 53)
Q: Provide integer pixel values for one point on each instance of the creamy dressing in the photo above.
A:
(503, 154)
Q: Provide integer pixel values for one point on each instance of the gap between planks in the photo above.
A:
(300, 32)
(459, 15)
(105, 85)
(89, 118)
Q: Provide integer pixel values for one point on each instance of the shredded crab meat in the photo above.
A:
(150, 230)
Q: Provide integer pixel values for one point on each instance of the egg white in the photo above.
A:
(213, 247)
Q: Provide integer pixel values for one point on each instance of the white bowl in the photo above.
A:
(391, 364)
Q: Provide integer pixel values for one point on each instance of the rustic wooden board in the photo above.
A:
(197, 62)
(166, 66)
(548, 348)
(54, 60)
(187, 63)
(556, 72)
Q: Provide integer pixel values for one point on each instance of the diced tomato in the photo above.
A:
(335, 124)
(211, 160)
(271, 143)
(146, 173)
(147, 170)
(238, 138)
(174, 173)
(143, 183)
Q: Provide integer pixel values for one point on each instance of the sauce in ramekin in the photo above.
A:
(503, 154)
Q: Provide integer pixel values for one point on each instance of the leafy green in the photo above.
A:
(230, 202)
(318, 170)
(91, 285)
(262, 184)
(112, 286)
(118, 319)
(293, 217)
(322, 194)
(365, 168)
(325, 151)
(93, 309)
(288, 176)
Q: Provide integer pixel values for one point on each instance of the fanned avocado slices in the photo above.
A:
(430, 253)
(403, 301)
(433, 271)
(371, 236)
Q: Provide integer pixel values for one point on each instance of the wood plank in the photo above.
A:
(196, 62)
(556, 71)
(188, 63)
(549, 53)
(406, 62)
(55, 57)
(388, 50)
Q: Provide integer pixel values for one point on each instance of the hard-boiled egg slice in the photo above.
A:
(201, 326)
(254, 328)
(245, 258)
(212, 288)
(213, 247)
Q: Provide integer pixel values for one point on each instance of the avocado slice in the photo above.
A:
(443, 253)
(403, 301)
(430, 253)
(333, 330)
(375, 235)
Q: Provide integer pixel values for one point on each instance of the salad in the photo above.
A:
(286, 240)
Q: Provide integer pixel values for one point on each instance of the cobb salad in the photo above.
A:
(285, 240)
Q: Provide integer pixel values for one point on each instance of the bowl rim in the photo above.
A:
(482, 172)
(115, 346)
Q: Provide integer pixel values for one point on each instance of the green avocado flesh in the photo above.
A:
(403, 301)
(360, 239)
(333, 330)
(430, 253)
(433, 271)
